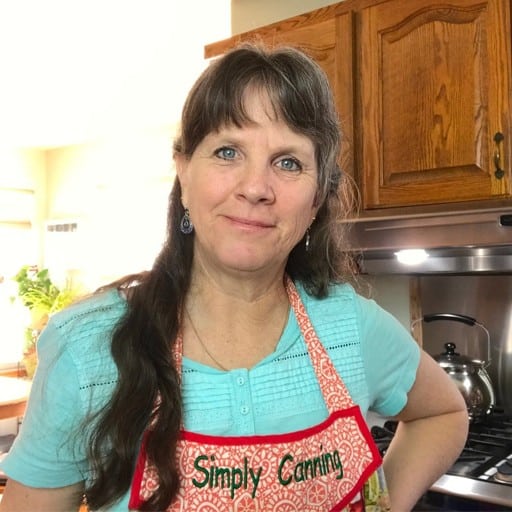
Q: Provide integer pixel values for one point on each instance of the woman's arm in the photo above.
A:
(432, 431)
(20, 498)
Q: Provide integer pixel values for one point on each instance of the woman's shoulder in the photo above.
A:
(338, 295)
(95, 309)
(84, 327)
(343, 308)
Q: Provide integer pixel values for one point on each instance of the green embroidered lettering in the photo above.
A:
(310, 468)
(338, 464)
(220, 477)
(256, 479)
(284, 460)
(201, 469)
(317, 465)
(300, 469)
(237, 478)
(222, 472)
(328, 463)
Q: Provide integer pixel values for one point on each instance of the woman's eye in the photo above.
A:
(226, 153)
(290, 164)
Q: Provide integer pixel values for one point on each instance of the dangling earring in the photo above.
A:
(186, 226)
(308, 234)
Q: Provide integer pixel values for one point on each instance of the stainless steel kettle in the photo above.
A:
(470, 375)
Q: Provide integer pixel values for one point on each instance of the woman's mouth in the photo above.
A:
(250, 223)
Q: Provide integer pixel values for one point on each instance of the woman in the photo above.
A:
(243, 334)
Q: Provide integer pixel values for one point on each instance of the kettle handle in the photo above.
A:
(450, 316)
(468, 320)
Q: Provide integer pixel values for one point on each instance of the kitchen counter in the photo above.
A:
(13, 396)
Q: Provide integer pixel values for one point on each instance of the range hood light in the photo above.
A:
(411, 256)
(455, 242)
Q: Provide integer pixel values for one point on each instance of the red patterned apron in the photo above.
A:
(329, 467)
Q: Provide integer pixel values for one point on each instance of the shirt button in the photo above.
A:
(240, 381)
(244, 409)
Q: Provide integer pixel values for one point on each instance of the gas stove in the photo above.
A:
(483, 471)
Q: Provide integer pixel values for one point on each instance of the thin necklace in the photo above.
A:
(208, 353)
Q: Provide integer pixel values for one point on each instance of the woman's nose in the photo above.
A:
(256, 184)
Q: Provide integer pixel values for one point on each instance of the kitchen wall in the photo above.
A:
(22, 208)
(116, 190)
(392, 293)
(24, 169)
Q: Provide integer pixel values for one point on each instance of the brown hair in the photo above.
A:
(300, 95)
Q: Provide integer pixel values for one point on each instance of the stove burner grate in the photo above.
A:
(504, 473)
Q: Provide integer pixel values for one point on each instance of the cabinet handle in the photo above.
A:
(499, 172)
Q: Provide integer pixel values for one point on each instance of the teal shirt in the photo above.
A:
(375, 356)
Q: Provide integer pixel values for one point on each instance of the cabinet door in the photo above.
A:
(435, 89)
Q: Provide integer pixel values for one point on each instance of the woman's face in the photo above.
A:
(250, 191)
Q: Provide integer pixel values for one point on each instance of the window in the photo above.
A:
(18, 246)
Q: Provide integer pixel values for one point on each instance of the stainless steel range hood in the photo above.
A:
(455, 243)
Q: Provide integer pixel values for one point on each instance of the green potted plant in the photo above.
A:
(43, 298)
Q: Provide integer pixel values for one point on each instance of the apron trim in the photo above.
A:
(204, 439)
(274, 438)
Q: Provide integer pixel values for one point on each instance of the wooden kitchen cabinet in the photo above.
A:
(434, 85)
(422, 88)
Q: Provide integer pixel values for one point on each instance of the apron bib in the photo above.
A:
(332, 466)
